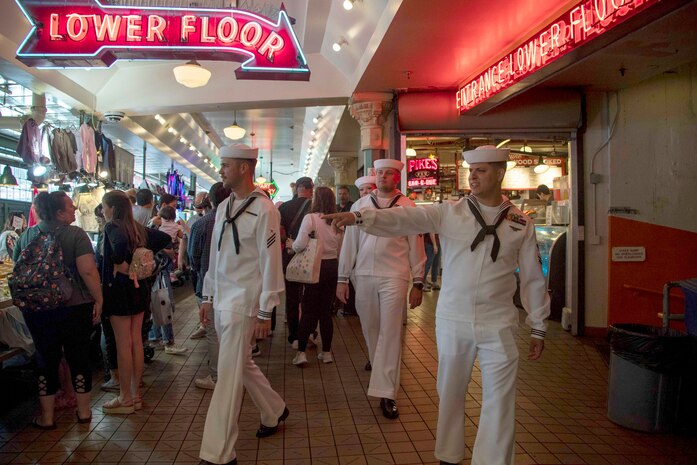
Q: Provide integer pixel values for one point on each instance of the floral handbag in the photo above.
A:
(304, 267)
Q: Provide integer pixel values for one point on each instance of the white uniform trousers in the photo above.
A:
(459, 343)
(380, 306)
(236, 372)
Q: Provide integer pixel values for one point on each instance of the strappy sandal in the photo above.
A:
(116, 407)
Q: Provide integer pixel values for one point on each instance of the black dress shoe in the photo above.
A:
(368, 367)
(447, 463)
(266, 431)
(389, 408)
(232, 462)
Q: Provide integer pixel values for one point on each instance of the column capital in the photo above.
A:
(371, 109)
(340, 166)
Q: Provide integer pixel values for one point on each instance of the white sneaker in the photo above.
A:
(111, 386)
(175, 350)
(156, 345)
(300, 359)
(326, 357)
(199, 333)
(294, 345)
(205, 383)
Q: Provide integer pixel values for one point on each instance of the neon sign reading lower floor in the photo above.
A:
(86, 33)
(583, 22)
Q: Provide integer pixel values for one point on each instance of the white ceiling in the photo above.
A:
(391, 45)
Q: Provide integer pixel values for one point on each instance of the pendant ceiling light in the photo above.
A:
(234, 132)
(510, 164)
(411, 152)
(261, 179)
(541, 167)
(192, 74)
(7, 178)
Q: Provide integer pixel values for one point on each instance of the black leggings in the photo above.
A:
(62, 330)
(317, 305)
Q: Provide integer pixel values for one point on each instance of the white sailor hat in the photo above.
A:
(388, 163)
(239, 151)
(485, 154)
(365, 180)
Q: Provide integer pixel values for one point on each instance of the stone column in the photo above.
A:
(371, 109)
(340, 167)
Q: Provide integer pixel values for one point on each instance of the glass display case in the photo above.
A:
(546, 236)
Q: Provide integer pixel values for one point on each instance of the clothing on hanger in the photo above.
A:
(89, 149)
(62, 154)
(29, 145)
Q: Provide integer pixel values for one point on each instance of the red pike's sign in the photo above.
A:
(86, 33)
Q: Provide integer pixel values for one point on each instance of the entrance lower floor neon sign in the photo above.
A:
(580, 24)
(86, 33)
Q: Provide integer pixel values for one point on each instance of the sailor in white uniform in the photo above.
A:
(243, 285)
(366, 185)
(484, 240)
(380, 268)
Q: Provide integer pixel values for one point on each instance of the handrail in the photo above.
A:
(650, 291)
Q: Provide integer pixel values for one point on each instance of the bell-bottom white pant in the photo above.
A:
(459, 343)
(380, 306)
(236, 372)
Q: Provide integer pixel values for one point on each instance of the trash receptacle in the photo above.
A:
(647, 366)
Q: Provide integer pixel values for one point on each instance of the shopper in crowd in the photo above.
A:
(485, 240)
(344, 195)
(201, 207)
(242, 285)
(292, 213)
(169, 224)
(132, 194)
(318, 299)
(432, 245)
(165, 201)
(125, 299)
(142, 211)
(199, 250)
(65, 329)
(14, 226)
(381, 268)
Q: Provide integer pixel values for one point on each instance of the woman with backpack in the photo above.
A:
(67, 326)
(124, 266)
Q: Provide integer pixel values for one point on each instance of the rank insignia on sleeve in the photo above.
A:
(271, 239)
(515, 218)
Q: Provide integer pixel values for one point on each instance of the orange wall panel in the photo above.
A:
(671, 255)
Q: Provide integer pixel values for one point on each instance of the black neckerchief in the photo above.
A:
(488, 228)
(231, 220)
(392, 202)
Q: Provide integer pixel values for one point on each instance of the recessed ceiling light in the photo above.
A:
(348, 4)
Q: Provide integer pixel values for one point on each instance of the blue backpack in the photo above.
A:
(40, 280)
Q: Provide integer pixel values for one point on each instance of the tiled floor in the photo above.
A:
(561, 410)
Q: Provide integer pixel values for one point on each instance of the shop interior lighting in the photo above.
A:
(541, 167)
(510, 164)
(7, 178)
(39, 170)
(526, 148)
(261, 179)
(338, 45)
(93, 183)
(183, 140)
(171, 130)
(160, 119)
(502, 143)
(313, 132)
(103, 174)
(465, 164)
(43, 187)
(348, 4)
(410, 152)
(234, 132)
(316, 119)
(192, 75)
